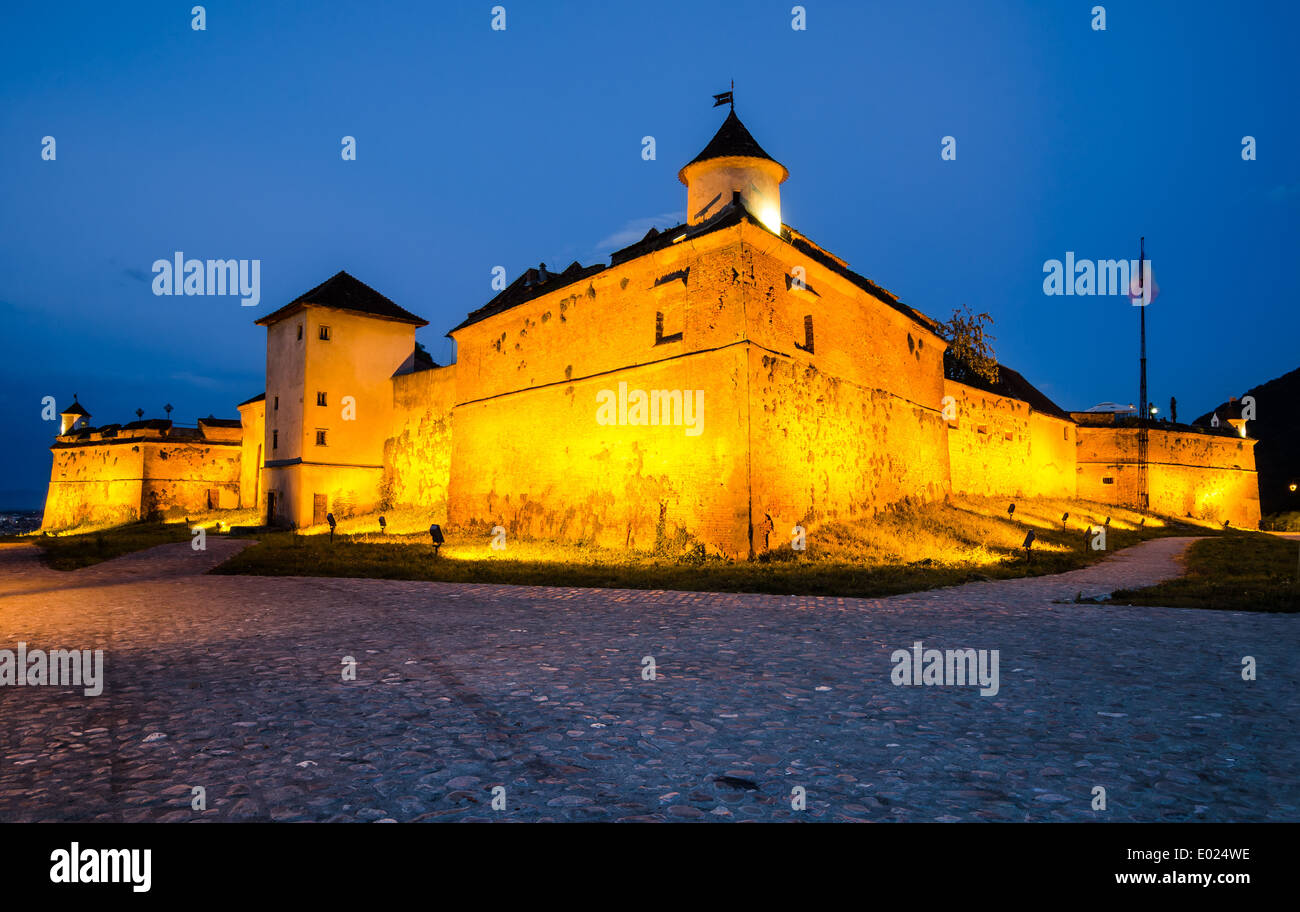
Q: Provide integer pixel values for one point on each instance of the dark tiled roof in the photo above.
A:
(221, 422)
(343, 292)
(731, 139)
(1012, 385)
(424, 360)
(527, 286)
(260, 397)
(532, 284)
(156, 424)
(75, 409)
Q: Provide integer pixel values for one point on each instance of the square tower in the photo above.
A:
(330, 358)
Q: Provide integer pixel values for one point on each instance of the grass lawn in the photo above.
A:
(73, 551)
(1235, 572)
(903, 550)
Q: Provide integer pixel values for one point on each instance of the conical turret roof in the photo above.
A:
(731, 139)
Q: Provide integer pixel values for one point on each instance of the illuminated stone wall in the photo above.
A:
(417, 453)
(1001, 446)
(1205, 476)
(252, 417)
(850, 426)
(528, 450)
(98, 483)
(109, 482)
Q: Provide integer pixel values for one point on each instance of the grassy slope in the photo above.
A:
(1234, 572)
(904, 550)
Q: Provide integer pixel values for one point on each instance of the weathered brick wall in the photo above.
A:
(94, 484)
(850, 426)
(417, 453)
(116, 482)
(825, 448)
(187, 477)
(251, 456)
(527, 451)
(1204, 476)
(538, 463)
(1001, 446)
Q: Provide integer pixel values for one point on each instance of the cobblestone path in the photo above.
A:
(234, 685)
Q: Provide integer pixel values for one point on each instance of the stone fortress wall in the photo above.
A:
(814, 395)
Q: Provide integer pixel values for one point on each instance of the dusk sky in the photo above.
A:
(478, 148)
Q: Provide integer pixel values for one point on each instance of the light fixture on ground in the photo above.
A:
(435, 535)
(383, 525)
(329, 518)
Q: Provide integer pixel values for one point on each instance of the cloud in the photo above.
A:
(1282, 191)
(633, 231)
(196, 380)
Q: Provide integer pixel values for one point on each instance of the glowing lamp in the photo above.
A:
(770, 216)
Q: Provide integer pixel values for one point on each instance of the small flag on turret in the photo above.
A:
(723, 98)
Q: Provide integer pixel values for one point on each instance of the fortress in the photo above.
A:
(721, 381)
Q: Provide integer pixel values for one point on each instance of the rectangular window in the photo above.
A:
(277, 403)
(275, 440)
(299, 332)
(660, 338)
(320, 398)
(1065, 433)
(807, 335)
(320, 437)
(324, 333)
(1108, 480)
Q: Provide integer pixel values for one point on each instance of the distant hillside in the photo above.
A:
(1277, 428)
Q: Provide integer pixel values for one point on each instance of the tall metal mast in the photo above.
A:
(1143, 408)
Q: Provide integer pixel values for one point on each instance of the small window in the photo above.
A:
(982, 429)
(1108, 480)
(320, 437)
(807, 335)
(299, 332)
(324, 333)
(277, 404)
(1008, 435)
(1065, 433)
(660, 337)
(320, 399)
(275, 440)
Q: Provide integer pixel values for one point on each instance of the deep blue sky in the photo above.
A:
(478, 148)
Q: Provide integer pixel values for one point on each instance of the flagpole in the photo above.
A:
(1143, 413)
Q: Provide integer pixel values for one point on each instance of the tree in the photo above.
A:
(1173, 409)
(970, 353)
